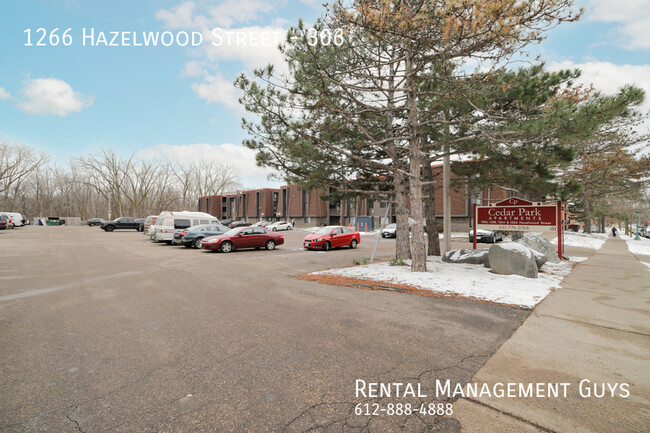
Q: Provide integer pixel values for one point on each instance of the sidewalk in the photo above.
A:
(596, 327)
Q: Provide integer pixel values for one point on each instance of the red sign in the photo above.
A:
(517, 214)
(521, 215)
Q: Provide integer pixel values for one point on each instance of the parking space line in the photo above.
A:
(36, 292)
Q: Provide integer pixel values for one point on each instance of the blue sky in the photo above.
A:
(179, 101)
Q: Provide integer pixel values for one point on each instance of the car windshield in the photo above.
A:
(232, 232)
(323, 231)
(391, 226)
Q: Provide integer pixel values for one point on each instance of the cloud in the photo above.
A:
(253, 46)
(180, 17)
(51, 96)
(216, 89)
(240, 157)
(4, 94)
(250, 46)
(189, 14)
(633, 17)
(608, 77)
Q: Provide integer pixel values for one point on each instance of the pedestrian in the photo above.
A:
(614, 231)
(293, 223)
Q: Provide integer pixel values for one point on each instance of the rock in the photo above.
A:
(474, 257)
(513, 258)
(541, 245)
(540, 258)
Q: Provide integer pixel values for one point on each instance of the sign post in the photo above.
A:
(520, 215)
(474, 235)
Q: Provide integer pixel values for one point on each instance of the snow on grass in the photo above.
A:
(642, 246)
(472, 281)
(594, 241)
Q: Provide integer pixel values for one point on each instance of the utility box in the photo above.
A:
(364, 224)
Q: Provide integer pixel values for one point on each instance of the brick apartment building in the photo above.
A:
(307, 208)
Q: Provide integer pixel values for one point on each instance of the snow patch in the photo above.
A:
(473, 281)
(642, 246)
(594, 241)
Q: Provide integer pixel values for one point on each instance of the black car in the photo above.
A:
(95, 222)
(123, 223)
(225, 223)
(235, 224)
(140, 222)
(192, 237)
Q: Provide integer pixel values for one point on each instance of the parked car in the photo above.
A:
(192, 237)
(280, 225)
(168, 222)
(489, 236)
(95, 222)
(236, 224)
(226, 222)
(330, 237)
(15, 219)
(261, 224)
(141, 222)
(243, 237)
(148, 222)
(122, 223)
(390, 231)
(4, 222)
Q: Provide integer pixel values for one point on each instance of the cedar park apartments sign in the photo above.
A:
(517, 214)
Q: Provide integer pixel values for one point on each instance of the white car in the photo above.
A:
(390, 231)
(280, 225)
(15, 219)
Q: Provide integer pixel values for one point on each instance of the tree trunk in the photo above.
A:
(433, 239)
(402, 241)
(418, 252)
(587, 210)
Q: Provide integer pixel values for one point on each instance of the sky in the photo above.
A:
(75, 94)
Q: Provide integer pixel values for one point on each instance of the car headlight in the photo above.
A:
(210, 241)
(317, 240)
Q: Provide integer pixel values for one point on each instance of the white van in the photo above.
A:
(168, 222)
(15, 219)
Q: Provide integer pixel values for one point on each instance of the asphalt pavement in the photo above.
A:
(109, 332)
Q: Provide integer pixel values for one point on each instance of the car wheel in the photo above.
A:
(327, 246)
(494, 239)
(353, 244)
(196, 243)
(226, 247)
(140, 228)
(270, 245)
(109, 228)
(275, 229)
(471, 239)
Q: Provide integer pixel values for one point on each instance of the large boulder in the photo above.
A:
(475, 257)
(542, 246)
(513, 258)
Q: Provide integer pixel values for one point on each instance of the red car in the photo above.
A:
(243, 237)
(332, 237)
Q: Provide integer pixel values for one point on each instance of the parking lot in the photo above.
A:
(108, 332)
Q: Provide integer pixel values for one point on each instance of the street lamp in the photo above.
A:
(637, 238)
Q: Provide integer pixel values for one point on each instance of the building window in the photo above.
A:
(307, 220)
(383, 204)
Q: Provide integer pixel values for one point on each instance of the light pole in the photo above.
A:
(637, 238)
